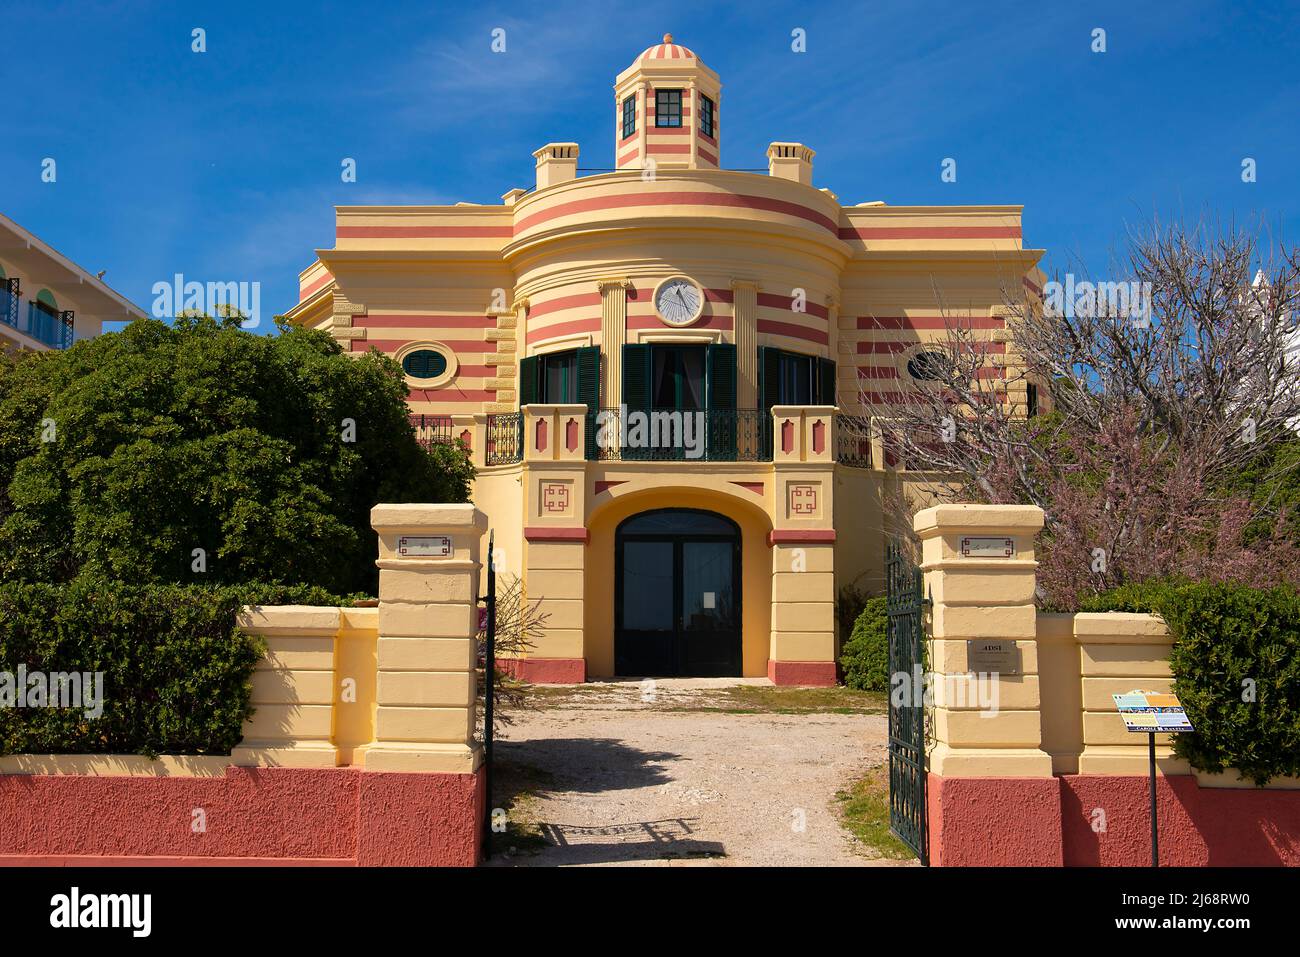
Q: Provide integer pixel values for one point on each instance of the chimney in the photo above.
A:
(556, 163)
(790, 161)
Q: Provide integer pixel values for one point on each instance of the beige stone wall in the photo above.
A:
(977, 597)
(1056, 714)
(1103, 655)
(389, 688)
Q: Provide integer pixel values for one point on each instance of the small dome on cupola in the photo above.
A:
(667, 51)
(666, 110)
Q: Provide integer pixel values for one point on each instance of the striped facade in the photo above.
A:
(869, 323)
(686, 137)
(482, 298)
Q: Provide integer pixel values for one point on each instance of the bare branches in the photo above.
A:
(519, 623)
(1153, 390)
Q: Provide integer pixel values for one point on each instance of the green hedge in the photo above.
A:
(1236, 667)
(865, 656)
(176, 669)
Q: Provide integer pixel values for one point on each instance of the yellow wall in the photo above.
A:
(498, 493)
(859, 549)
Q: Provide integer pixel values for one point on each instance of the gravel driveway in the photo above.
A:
(633, 773)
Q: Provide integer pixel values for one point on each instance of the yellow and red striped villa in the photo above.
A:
(656, 367)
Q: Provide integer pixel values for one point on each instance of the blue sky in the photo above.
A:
(224, 166)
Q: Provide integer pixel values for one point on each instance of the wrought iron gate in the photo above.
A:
(489, 629)
(905, 608)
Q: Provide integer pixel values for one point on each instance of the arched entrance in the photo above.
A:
(677, 608)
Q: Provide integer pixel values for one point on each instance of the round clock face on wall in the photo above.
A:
(679, 301)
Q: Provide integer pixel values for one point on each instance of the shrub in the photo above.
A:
(176, 669)
(1236, 667)
(848, 606)
(865, 657)
(123, 455)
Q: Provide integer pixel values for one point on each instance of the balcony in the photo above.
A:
(675, 435)
(504, 438)
(39, 321)
(10, 297)
(431, 430)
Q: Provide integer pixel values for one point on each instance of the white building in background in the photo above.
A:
(46, 300)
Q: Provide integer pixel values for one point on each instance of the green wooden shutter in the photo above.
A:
(769, 393)
(825, 382)
(636, 376)
(636, 389)
(589, 391)
(720, 392)
(528, 381)
(769, 377)
(720, 376)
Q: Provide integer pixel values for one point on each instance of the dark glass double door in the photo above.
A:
(677, 601)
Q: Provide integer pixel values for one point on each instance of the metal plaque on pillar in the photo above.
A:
(988, 655)
(425, 546)
(977, 547)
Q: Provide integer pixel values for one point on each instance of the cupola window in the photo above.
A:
(629, 116)
(668, 107)
(706, 116)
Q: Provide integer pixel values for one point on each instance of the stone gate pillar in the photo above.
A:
(988, 772)
(428, 618)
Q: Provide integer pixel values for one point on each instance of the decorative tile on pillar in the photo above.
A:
(555, 498)
(803, 500)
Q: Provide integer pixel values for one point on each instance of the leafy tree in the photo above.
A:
(122, 456)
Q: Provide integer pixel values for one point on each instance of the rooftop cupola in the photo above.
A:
(666, 110)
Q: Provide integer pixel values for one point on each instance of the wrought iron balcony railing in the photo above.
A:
(10, 298)
(432, 430)
(40, 322)
(505, 438)
(853, 441)
(679, 435)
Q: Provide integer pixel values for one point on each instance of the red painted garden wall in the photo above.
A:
(1101, 820)
(337, 816)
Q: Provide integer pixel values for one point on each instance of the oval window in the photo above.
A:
(933, 366)
(424, 364)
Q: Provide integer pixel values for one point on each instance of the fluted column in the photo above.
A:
(744, 308)
(613, 333)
